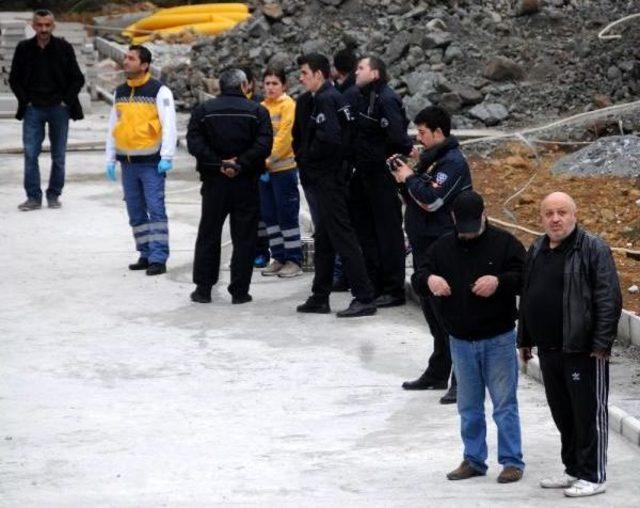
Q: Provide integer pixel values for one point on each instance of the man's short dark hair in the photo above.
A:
(434, 117)
(345, 61)
(377, 64)
(248, 72)
(316, 62)
(143, 53)
(42, 13)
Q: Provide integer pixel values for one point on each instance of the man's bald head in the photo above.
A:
(558, 215)
(559, 197)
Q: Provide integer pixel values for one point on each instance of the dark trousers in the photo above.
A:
(334, 234)
(262, 242)
(238, 198)
(338, 269)
(376, 210)
(35, 118)
(439, 365)
(577, 389)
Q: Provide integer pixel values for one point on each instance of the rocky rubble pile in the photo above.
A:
(498, 62)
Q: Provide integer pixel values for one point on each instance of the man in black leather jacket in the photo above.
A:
(570, 307)
(230, 137)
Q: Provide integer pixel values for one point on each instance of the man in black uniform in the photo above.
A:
(320, 154)
(230, 137)
(345, 62)
(442, 173)
(375, 203)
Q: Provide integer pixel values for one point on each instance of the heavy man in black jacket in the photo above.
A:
(375, 201)
(570, 307)
(230, 137)
(320, 134)
(476, 272)
(46, 80)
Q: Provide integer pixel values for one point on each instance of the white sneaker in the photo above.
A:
(558, 482)
(273, 269)
(583, 488)
(290, 269)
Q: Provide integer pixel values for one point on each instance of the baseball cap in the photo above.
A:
(467, 210)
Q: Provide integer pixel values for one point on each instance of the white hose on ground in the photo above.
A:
(510, 225)
(602, 33)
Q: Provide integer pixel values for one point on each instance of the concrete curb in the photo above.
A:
(620, 421)
(629, 329)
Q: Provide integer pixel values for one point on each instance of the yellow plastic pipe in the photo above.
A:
(157, 22)
(211, 8)
(211, 28)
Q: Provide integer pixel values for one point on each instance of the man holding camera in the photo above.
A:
(442, 173)
(230, 137)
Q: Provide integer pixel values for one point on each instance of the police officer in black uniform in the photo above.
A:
(375, 202)
(230, 137)
(320, 154)
(441, 174)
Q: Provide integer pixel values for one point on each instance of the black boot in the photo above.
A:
(386, 300)
(357, 309)
(451, 397)
(141, 264)
(156, 269)
(201, 295)
(425, 382)
(239, 299)
(315, 305)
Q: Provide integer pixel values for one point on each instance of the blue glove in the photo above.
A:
(264, 177)
(164, 166)
(111, 171)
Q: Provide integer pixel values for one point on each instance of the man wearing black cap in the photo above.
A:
(476, 272)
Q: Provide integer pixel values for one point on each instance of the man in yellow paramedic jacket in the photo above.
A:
(142, 137)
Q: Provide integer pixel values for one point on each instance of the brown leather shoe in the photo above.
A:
(510, 474)
(464, 472)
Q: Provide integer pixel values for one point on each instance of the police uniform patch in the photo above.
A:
(346, 112)
(441, 178)
(321, 118)
(384, 123)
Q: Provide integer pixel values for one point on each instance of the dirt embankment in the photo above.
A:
(606, 205)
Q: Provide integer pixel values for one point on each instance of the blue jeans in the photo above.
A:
(35, 118)
(279, 209)
(144, 194)
(488, 364)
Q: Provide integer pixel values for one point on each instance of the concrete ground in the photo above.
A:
(116, 390)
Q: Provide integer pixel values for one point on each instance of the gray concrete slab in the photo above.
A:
(115, 390)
